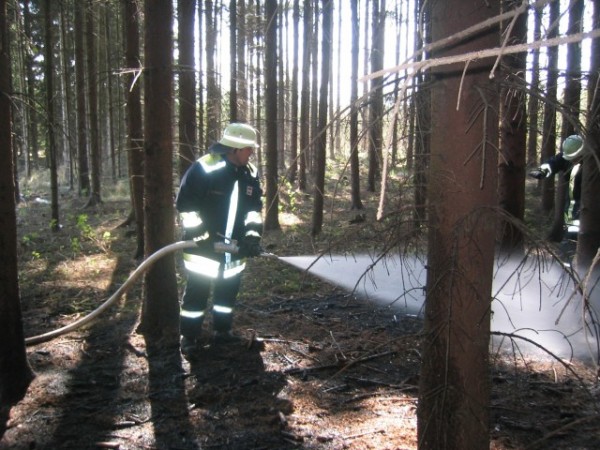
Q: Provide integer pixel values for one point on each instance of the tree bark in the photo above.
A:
(51, 124)
(15, 372)
(454, 389)
(533, 102)
(549, 123)
(92, 90)
(513, 135)
(83, 184)
(293, 166)
(160, 313)
(588, 241)
(233, 31)
(321, 142)
(241, 82)
(272, 179)
(187, 85)
(376, 94)
(305, 96)
(213, 95)
(354, 142)
(570, 116)
(135, 152)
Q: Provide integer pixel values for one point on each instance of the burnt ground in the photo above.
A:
(316, 368)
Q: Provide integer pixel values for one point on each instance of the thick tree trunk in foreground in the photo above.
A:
(15, 373)
(160, 315)
(588, 241)
(454, 391)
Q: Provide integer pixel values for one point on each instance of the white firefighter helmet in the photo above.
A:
(572, 147)
(236, 135)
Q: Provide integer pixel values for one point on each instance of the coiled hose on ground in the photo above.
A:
(141, 269)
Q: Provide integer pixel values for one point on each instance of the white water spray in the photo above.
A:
(532, 297)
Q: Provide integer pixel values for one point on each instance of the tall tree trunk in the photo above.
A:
(109, 99)
(321, 142)
(354, 142)
(15, 372)
(588, 241)
(201, 85)
(272, 195)
(454, 389)
(242, 83)
(187, 85)
(513, 134)
(258, 74)
(213, 96)
(314, 91)
(160, 313)
(92, 71)
(549, 125)
(281, 98)
(533, 103)
(305, 95)
(233, 93)
(423, 125)
(376, 94)
(33, 143)
(293, 166)
(570, 122)
(51, 123)
(70, 133)
(135, 149)
(83, 183)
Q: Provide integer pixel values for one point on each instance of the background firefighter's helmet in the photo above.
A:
(236, 135)
(572, 147)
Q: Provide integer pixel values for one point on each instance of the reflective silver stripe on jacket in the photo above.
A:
(210, 268)
(210, 163)
(191, 219)
(233, 205)
(201, 265)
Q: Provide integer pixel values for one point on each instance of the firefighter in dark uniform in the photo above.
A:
(567, 161)
(220, 204)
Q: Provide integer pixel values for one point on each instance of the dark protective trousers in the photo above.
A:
(195, 301)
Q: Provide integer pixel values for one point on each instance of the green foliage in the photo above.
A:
(28, 239)
(75, 245)
(289, 196)
(84, 227)
(87, 233)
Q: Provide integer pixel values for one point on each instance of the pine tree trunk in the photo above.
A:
(160, 313)
(272, 179)
(321, 142)
(454, 390)
(588, 241)
(15, 372)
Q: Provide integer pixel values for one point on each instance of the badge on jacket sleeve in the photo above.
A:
(249, 191)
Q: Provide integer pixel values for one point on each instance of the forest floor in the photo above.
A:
(316, 367)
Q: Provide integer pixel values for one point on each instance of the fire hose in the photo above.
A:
(141, 269)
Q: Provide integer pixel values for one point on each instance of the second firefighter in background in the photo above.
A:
(220, 202)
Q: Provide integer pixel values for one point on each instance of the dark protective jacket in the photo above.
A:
(218, 202)
(573, 176)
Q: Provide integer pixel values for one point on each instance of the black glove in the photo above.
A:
(250, 247)
(541, 172)
(537, 174)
